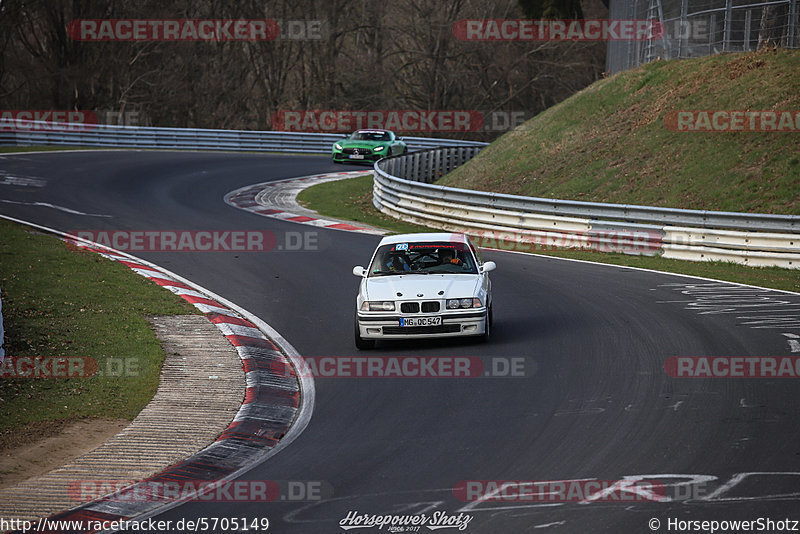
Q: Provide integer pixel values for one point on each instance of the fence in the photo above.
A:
(702, 27)
(14, 132)
(539, 223)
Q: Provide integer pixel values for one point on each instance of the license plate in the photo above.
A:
(420, 321)
(356, 156)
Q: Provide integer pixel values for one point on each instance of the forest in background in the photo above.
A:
(399, 55)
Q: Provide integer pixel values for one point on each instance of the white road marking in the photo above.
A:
(794, 342)
(676, 406)
(55, 207)
(24, 181)
(553, 524)
(583, 411)
(743, 404)
(754, 307)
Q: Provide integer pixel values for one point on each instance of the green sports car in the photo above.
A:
(367, 146)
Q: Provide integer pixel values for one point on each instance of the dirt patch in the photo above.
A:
(748, 62)
(43, 446)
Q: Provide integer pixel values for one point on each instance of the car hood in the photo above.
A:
(427, 285)
(362, 144)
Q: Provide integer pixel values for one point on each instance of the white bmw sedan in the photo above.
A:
(421, 286)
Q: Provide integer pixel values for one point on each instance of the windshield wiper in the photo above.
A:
(384, 273)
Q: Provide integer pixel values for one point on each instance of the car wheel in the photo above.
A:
(361, 343)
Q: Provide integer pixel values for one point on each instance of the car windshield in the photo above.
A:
(370, 136)
(423, 258)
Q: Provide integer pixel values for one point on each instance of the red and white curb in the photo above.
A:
(276, 408)
(277, 200)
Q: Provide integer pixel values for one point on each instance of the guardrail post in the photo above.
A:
(2, 350)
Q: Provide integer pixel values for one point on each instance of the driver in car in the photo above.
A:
(398, 262)
(447, 255)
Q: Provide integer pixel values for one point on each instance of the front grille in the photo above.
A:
(441, 329)
(430, 307)
(409, 307)
(348, 150)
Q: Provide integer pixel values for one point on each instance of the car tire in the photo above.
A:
(487, 331)
(361, 343)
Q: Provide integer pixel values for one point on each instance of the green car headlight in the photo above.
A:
(337, 146)
(378, 148)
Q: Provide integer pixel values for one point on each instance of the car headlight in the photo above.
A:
(337, 146)
(378, 148)
(454, 304)
(378, 305)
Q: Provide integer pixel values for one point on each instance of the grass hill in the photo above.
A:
(611, 142)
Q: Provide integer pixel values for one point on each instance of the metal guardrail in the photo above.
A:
(429, 165)
(402, 189)
(16, 132)
(2, 333)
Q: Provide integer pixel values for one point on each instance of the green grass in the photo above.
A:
(346, 199)
(351, 200)
(610, 142)
(58, 301)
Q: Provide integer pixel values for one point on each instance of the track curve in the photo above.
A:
(596, 402)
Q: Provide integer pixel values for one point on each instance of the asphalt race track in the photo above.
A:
(596, 402)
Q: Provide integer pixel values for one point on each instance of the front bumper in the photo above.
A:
(387, 326)
(368, 158)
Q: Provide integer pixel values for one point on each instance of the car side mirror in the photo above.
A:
(488, 266)
(359, 271)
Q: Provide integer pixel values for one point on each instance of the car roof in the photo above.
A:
(373, 131)
(424, 237)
